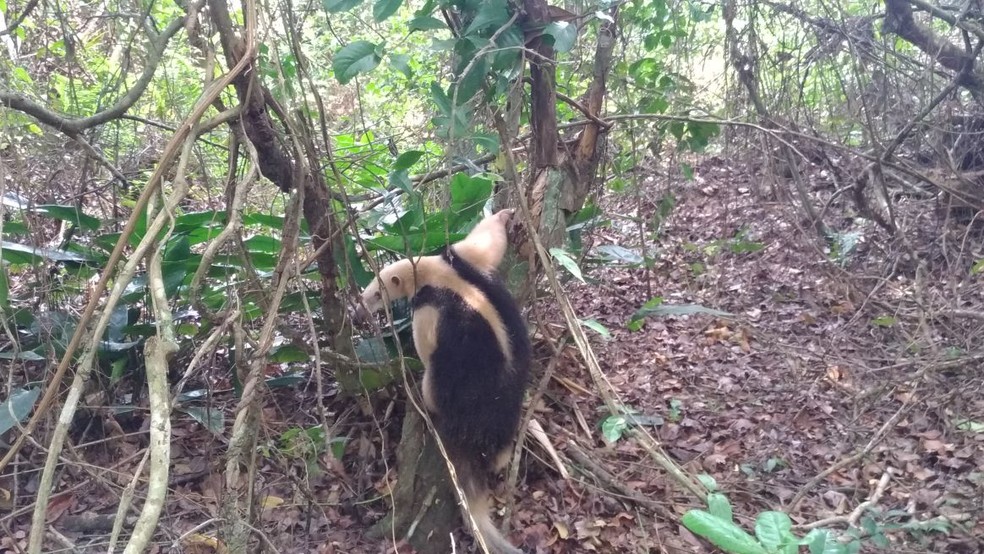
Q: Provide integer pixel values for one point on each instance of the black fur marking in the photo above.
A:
(479, 398)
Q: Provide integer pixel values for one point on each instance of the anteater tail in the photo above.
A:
(474, 481)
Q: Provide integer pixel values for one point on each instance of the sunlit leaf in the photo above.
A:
(774, 529)
(718, 505)
(565, 259)
(613, 426)
(383, 9)
(597, 327)
(357, 57)
(564, 35)
(724, 534)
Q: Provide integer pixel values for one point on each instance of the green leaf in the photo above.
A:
(492, 13)
(724, 534)
(426, 23)
(564, 35)
(357, 57)
(597, 327)
(969, 425)
(469, 84)
(568, 262)
(4, 288)
(883, 321)
(613, 426)
(262, 244)
(468, 196)
(383, 9)
(977, 267)
(414, 243)
(70, 214)
(289, 353)
(286, 380)
(401, 63)
(400, 180)
(822, 541)
(616, 253)
(17, 253)
(16, 408)
(336, 6)
(337, 447)
(718, 506)
(774, 529)
(708, 481)
(655, 307)
(407, 159)
(211, 418)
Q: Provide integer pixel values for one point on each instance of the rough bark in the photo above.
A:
(425, 506)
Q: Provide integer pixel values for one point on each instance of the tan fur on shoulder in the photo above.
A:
(403, 279)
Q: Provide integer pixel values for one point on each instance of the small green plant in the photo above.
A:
(773, 532)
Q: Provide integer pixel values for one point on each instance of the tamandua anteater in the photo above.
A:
(475, 348)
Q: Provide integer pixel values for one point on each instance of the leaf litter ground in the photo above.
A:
(817, 358)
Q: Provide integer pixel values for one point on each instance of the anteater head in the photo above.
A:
(395, 281)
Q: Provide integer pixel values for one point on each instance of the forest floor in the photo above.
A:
(816, 359)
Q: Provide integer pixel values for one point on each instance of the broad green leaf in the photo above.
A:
(492, 13)
(426, 23)
(407, 159)
(357, 57)
(718, 505)
(401, 63)
(509, 44)
(336, 6)
(568, 262)
(400, 179)
(70, 214)
(468, 196)
(289, 353)
(16, 408)
(263, 244)
(564, 35)
(724, 534)
(597, 327)
(469, 84)
(774, 529)
(211, 418)
(383, 9)
(17, 253)
(708, 481)
(613, 426)
(441, 99)
(822, 541)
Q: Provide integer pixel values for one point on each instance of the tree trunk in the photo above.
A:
(425, 506)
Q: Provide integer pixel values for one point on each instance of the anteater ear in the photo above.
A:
(395, 280)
